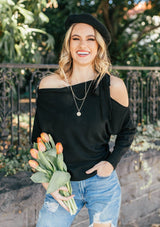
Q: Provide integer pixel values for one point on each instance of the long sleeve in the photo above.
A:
(36, 128)
(122, 125)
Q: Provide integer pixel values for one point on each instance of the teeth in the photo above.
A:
(82, 53)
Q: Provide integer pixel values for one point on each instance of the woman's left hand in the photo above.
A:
(103, 169)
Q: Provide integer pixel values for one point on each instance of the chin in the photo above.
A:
(84, 62)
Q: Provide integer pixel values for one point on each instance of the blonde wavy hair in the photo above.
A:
(101, 61)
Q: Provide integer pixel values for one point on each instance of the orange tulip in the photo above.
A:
(41, 146)
(45, 137)
(33, 164)
(34, 153)
(39, 139)
(59, 148)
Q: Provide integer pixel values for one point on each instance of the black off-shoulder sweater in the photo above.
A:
(85, 139)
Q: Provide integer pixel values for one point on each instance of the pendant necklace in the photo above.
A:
(74, 95)
(80, 99)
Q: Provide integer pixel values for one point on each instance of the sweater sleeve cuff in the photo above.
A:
(115, 156)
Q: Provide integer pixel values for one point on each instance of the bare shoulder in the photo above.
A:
(118, 91)
(52, 81)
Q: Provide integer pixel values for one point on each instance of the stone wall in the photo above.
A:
(140, 180)
(20, 199)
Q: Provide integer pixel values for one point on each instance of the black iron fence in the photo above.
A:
(18, 83)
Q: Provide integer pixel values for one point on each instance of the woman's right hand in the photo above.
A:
(58, 197)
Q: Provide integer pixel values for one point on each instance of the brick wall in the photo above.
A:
(20, 199)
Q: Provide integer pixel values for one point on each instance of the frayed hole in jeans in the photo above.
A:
(96, 220)
(108, 222)
(53, 206)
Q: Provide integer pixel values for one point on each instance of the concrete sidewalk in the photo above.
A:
(82, 219)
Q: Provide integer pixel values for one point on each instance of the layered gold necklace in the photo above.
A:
(75, 98)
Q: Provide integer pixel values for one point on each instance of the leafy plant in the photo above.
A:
(146, 138)
(22, 34)
(15, 162)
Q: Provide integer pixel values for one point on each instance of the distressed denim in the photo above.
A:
(101, 195)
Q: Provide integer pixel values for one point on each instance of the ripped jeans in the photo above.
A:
(101, 195)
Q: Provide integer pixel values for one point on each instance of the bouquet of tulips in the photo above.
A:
(50, 167)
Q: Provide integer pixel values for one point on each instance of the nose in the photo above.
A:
(83, 43)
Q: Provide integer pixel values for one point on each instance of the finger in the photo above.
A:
(63, 188)
(94, 168)
(61, 197)
(63, 205)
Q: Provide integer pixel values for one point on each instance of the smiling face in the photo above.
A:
(83, 44)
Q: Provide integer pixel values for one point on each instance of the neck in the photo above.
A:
(82, 74)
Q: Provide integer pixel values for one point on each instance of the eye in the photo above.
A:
(91, 39)
(75, 38)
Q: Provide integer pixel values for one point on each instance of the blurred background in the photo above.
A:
(33, 31)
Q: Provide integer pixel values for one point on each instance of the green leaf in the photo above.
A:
(10, 2)
(42, 169)
(41, 165)
(64, 167)
(44, 161)
(60, 161)
(52, 161)
(51, 152)
(48, 146)
(52, 141)
(28, 15)
(50, 155)
(43, 17)
(35, 146)
(59, 179)
(18, 49)
(39, 177)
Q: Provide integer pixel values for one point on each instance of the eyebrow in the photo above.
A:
(79, 35)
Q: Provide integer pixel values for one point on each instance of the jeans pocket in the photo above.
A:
(101, 177)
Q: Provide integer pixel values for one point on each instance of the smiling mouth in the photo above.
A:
(83, 53)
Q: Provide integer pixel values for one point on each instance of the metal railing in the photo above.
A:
(18, 97)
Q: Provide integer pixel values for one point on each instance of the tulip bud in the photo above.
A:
(45, 137)
(39, 139)
(33, 164)
(59, 148)
(34, 153)
(41, 146)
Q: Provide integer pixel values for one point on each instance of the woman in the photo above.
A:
(81, 105)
